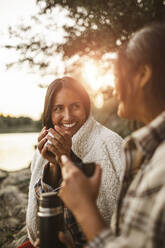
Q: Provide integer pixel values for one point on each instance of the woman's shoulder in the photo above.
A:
(37, 161)
(107, 134)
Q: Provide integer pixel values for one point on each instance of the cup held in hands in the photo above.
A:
(49, 142)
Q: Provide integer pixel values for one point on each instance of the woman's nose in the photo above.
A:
(67, 115)
(114, 93)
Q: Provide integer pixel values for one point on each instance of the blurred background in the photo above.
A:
(41, 40)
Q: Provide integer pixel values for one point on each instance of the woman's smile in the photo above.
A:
(69, 125)
(67, 128)
(68, 112)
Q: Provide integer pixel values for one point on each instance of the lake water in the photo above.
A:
(17, 150)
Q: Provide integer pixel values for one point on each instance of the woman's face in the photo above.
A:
(126, 92)
(68, 112)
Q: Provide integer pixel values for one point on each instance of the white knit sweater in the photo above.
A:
(92, 143)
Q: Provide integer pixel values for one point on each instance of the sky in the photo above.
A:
(19, 91)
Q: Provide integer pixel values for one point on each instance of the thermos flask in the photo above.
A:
(50, 220)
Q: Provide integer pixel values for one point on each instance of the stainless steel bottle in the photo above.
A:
(50, 220)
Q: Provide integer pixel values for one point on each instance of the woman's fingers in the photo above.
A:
(68, 140)
(42, 139)
(61, 143)
(77, 183)
(66, 166)
(66, 240)
(41, 144)
(55, 147)
(51, 148)
(48, 154)
(65, 139)
(59, 137)
(37, 243)
(44, 151)
(42, 134)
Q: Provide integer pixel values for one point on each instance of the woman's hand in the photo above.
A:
(63, 237)
(42, 139)
(43, 148)
(59, 144)
(78, 191)
(66, 239)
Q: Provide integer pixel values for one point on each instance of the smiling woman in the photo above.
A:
(68, 113)
(68, 118)
(66, 107)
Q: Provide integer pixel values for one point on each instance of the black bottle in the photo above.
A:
(87, 168)
(50, 220)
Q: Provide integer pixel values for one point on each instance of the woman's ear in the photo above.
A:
(145, 73)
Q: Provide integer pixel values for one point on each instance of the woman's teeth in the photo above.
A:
(69, 125)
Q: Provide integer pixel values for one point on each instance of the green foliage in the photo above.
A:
(19, 124)
(99, 26)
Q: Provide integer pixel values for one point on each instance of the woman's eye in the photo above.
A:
(76, 106)
(57, 109)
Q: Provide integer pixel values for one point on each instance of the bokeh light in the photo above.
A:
(96, 77)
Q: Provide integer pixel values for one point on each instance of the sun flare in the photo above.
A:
(95, 77)
(99, 101)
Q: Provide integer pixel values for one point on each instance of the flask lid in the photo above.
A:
(49, 200)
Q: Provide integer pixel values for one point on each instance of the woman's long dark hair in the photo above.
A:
(147, 46)
(54, 88)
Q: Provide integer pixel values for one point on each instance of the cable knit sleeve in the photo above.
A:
(37, 167)
(112, 171)
(96, 143)
(115, 154)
